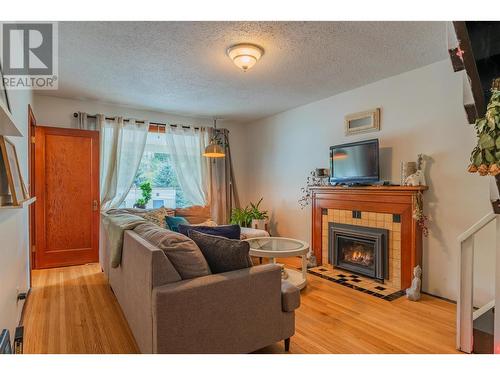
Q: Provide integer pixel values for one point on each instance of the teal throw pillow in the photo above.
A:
(173, 222)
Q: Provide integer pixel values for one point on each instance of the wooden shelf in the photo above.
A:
(23, 204)
(7, 124)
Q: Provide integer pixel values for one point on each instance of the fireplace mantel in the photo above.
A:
(396, 200)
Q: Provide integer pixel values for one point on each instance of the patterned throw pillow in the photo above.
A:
(157, 216)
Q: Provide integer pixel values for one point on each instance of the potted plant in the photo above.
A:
(146, 195)
(485, 157)
(259, 217)
(250, 216)
(241, 216)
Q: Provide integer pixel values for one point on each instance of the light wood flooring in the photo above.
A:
(73, 310)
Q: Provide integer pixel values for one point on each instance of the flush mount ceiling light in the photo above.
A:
(245, 55)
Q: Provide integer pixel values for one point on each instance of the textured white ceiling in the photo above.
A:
(181, 67)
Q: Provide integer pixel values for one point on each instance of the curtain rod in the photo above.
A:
(75, 114)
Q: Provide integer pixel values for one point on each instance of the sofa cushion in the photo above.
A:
(173, 222)
(290, 296)
(157, 216)
(232, 232)
(222, 254)
(247, 233)
(180, 250)
(115, 226)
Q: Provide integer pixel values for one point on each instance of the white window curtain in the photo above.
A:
(203, 181)
(122, 146)
(185, 146)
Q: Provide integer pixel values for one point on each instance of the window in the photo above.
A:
(156, 167)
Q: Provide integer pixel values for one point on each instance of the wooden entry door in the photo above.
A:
(67, 191)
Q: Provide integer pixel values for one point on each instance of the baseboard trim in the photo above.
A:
(439, 297)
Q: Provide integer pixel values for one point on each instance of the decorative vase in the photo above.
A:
(259, 224)
(321, 172)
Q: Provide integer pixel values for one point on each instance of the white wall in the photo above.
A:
(422, 112)
(14, 245)
(54, 111)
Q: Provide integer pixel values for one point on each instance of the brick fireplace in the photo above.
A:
(383, 213)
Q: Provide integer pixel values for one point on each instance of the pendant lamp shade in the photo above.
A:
(214, 148)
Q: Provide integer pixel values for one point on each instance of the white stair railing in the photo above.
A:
(465, 307)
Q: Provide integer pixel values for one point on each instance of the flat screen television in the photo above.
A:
(355, 163)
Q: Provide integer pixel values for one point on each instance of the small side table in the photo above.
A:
(281, 247)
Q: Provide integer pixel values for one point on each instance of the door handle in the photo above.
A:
(95, 205)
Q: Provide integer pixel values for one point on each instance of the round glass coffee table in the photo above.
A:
(281, 247)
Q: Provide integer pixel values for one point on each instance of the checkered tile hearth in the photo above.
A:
(356, 282)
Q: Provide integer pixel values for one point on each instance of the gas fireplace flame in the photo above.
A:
(358, 254)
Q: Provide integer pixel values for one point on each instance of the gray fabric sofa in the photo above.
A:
(234, 312)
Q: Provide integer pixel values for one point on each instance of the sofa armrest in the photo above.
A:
(290, 296)
(232, 312)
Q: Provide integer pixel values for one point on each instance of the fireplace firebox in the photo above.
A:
(359, 249)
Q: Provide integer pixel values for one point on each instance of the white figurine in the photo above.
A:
(417, 178)
(311, 260)
(414, 179)
(413, 292)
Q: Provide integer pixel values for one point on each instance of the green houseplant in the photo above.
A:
(259, 217)
(146, 195)
(241, 216)
(251, 213)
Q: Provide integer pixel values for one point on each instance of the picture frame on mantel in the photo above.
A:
(13, 190)
(362, 122)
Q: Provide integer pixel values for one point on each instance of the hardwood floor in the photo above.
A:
(72, 310)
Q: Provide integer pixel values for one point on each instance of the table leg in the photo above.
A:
(304, 266)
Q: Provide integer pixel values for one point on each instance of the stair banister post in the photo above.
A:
(464, 300)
